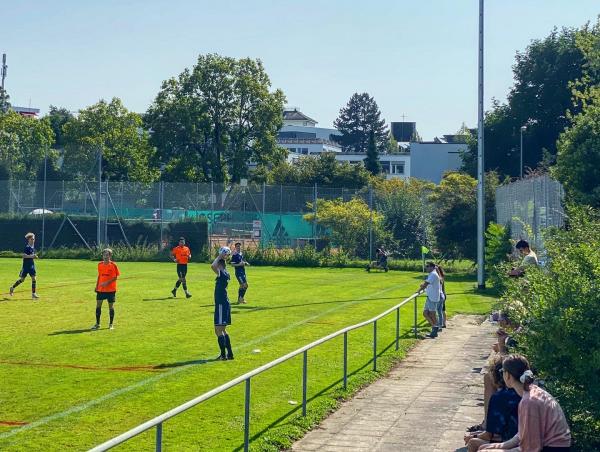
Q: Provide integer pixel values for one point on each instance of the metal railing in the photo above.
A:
(159, 420)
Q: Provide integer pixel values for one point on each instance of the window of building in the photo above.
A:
(385, 166)
(304, 151)
(292, 149)
(398, 168)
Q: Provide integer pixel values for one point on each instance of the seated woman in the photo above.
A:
(542, 423)
(502, 412)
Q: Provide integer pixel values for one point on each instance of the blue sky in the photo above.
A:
(417, 58)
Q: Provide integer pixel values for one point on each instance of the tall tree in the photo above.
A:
(57, 118)
(357, 119)
(108, 128)
(213, 120)
(372, 163)
(23, 143)
(540, 100)
(578, 162)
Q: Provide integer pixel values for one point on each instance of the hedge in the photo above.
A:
(14, 228)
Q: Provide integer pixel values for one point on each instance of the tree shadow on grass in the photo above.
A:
(315, 396)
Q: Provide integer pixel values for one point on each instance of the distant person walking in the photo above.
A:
(432, 289)
(28, 268)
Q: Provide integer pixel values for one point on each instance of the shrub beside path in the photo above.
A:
(424, 404)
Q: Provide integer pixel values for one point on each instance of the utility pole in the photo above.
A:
(480, 163)
(99, 199)
(3, 71)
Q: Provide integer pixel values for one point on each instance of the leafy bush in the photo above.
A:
(140, 233)
(497, 251)
(406, 213)
(559, 307)
(349, 224)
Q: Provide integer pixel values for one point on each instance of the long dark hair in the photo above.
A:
(517, 365)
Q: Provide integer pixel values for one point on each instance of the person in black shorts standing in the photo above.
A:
(106, 287)
(237, 261)
(222, 306)
(181, 255)
(28, 267)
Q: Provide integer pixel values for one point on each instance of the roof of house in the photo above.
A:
(295, 115)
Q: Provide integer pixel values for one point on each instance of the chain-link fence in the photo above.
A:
(256, 215)
(529, 206)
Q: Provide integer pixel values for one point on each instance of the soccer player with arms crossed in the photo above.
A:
(238, 262)
(106, 287)
(28, 266)
(181, 255)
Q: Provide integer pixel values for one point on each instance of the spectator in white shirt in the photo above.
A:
(432, 290)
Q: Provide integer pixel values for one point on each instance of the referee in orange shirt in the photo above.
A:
(106, 287)
(181, 255)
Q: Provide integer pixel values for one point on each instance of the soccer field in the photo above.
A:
(66, 387)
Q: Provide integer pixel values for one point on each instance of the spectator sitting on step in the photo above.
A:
(502, 414)
(501, 349)
(542, 423)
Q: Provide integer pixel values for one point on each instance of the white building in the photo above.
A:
(425, 160)
(300, 136)
(395, 166)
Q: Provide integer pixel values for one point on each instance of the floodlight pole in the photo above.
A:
(480, 163)
(44, 202)
(99, 198)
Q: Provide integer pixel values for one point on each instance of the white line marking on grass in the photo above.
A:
(142, 383)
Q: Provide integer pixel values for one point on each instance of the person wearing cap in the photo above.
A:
(181, 255)
(222, 317)
(529, 259)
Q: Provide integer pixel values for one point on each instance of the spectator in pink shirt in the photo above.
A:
(542, 423)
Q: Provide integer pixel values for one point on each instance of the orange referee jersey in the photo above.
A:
(106, 272)
(182, 254)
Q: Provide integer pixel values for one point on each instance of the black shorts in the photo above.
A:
(181, 270)
(27, 271)
(241, 277)
(111, 297)
(222, 314)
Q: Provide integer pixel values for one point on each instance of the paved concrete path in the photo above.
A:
(424, 404)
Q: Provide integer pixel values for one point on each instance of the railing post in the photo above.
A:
(345, 360)
(415, 327)
(159, 437)
(247, 417)
(375, 346)
(304, 375)
(397, 329)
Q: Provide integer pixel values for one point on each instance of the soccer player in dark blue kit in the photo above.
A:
(222, 305)
(28, 265)
(238, 262)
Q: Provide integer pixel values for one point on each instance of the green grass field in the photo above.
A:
(65, 387)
